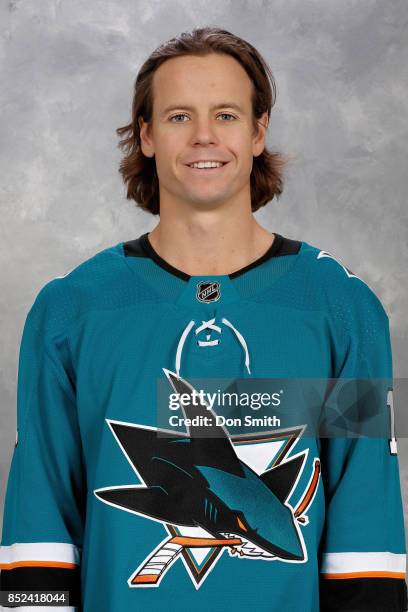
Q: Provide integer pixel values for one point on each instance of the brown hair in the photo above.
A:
(139, 171)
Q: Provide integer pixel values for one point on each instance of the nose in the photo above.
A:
(204, 131)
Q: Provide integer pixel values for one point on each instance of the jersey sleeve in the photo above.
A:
(44, 505)
(363, 555)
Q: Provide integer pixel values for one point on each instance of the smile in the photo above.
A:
(214, 170)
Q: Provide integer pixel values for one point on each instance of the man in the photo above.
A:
(108, 498)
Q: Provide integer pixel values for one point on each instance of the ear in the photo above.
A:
(146, 142)
(258, 142)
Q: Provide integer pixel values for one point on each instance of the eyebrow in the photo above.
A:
(190, 108)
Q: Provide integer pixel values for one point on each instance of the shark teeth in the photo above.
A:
(247, 548)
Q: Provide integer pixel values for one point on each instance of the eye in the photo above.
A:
(241, 524)
(178, 115)
(228, 115)
(184, 115)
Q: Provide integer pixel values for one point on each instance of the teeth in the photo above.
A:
(207, 164)
(248, 548)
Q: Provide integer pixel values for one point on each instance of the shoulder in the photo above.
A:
(343, 292)
(66, 297)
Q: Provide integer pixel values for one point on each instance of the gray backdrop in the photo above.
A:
(67, 72)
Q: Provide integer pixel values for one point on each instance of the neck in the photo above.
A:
(205, 246)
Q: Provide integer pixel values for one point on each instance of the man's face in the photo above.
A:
(187, 127)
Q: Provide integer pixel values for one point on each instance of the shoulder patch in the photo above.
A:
(349, 273)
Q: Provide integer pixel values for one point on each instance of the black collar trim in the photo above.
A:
(141, 247)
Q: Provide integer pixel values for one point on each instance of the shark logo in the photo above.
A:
(213, 494)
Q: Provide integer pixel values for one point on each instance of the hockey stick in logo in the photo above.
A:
(159, 562)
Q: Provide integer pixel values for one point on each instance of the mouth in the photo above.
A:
(207, 171)
(247, 548)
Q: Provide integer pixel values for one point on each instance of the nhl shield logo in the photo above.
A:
(208, 291)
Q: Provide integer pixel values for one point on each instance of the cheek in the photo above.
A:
(164, 155)
(163, 148)
(169, 151)
(239, 144)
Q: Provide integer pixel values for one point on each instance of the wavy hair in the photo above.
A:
(139, 172)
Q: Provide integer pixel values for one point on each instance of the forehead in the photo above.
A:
(195, 79)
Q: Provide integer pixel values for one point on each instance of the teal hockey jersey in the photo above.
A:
(124, 510)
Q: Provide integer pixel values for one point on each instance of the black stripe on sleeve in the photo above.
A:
(363, 595)
(43, 579)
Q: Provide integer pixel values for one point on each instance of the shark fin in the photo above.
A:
(280, 479)
(150, 501)
(198, 409)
